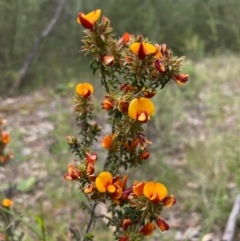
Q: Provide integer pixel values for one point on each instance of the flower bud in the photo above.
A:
(107, 104)
(73, 173)
(169, 201)
(163, 226)
(126, 87)
(125, 38)
(88, 189)
(90, 169)
(180, 78)
(159, 66)
(126, 223)
(71, 140)
(91, 157)
(164, 50)
(147, 229)
(149, 93)
(123, 106)
(107, 59)
(5, 137)
(145, 155)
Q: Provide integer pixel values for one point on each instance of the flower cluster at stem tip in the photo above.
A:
(131, 70)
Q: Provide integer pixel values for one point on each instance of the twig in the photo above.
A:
(75, 234)
(231, 224)
(91, 218)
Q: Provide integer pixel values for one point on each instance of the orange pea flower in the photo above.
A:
(180, 78)
(155, 191)
(169, 201)
(138, 188)
(147, 229)
(84, 90)
(73, 173)
(163, 226)
(104, 183)
(88, 20)
(5, 137)
(107, 141)
(140, 109)
(107, 104)
(125, 38)
(114, 186)
(120, 184)
(7, 202)
(143, 49)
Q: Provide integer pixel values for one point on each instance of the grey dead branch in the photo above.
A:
(229, 232)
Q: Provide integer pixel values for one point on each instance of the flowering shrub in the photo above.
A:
(4, 141)
(131, 71)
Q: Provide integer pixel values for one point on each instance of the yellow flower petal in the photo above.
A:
(106, 178)
(133, 109)
(142, 49)
(149, 48)
(111, 188)
(148, 189)
(88, 20)
(94, 15)
(100, 185)
(161, 190)
(135, 47)
(146, 105)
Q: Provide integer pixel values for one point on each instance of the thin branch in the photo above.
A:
(36, 45)
(229, 232)
(91, 219)
(103, 216)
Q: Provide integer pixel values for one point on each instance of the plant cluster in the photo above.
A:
(4, 141)
(6, 203)
(131, 71)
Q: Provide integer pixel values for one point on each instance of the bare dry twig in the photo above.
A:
(231, 224)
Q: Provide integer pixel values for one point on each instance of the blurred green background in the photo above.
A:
(196, 28)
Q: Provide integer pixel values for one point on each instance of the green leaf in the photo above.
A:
(39, 221)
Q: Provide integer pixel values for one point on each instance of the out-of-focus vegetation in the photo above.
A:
(194, 28)
(195, 135)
